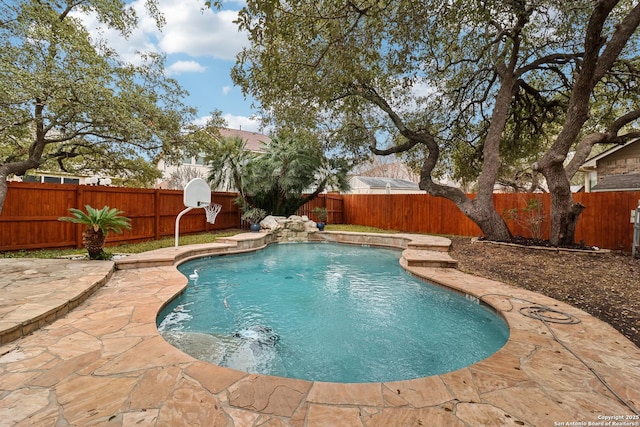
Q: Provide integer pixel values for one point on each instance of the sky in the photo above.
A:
(200, 46)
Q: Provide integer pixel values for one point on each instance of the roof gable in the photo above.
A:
(592, 162)
(253, 140)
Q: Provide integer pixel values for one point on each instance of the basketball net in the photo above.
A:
(212, 211)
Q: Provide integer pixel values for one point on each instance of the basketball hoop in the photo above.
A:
(197, 194)
(212, 211)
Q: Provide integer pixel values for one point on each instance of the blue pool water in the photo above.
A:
(326, 312)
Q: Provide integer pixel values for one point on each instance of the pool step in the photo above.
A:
(433, 259)
(425, 245)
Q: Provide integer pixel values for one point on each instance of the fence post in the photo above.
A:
(156, 217)
(79, 205)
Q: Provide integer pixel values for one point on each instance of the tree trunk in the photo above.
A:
(480, 210)
(12, 168)
(564, 211)
(490, 222)
(20, 167)
(93, 242)
(598, 58)
(3, 190)
(564, 219)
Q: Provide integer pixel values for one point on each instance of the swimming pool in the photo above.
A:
(326, 312)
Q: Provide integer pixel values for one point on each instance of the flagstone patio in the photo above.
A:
(103, 362)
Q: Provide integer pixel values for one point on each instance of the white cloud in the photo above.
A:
(200, 33)
(180, 67)
(201, 121)
(251, 124)
(241, 122)
(190, 29)
(127, 48)
(194, 40)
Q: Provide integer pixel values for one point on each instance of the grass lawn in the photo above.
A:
(192, 239)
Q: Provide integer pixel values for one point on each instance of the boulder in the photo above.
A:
(292, 229)
(296, 226)
(270, 223)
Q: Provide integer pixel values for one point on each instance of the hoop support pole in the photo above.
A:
(178, 224)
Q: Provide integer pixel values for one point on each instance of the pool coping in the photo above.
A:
(532, 380)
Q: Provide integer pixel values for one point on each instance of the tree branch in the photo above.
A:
(618, 41)
(555, 59)
(609, 137)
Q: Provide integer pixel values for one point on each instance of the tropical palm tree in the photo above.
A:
(227, 158)
(290, 173)
(100, 222)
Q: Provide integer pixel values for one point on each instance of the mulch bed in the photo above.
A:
(605, 285)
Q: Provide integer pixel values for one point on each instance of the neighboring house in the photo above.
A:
(397, 178)
(384, 178)
(380, 185)
(195, 165)
(61, 178)
(617, 169)
(396, 170)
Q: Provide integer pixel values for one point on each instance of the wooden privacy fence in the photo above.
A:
(333, 203)
(29, 219)
(604, 223)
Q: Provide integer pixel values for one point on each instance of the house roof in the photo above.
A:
(397, 170)
(629, 182)
(253, 140)
(375, 182)
(592, 162)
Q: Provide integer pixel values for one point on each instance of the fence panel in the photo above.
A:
(307, 209)
(29, 219)
(523, 222)
(417, 213)
(137, 204)
(604, 223)
(331, 201)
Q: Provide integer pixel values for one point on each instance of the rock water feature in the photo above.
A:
(292, 229)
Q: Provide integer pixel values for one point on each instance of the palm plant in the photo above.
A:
(227, 158)
(100, 222)
(253, 215)
(291, 172)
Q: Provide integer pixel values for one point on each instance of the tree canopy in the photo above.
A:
(67, 102)
(468, 88)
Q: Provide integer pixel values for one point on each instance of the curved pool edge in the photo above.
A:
(522, 361)
(265, 266)
(107, 363)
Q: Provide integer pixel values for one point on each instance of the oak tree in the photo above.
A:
(68, 102)
(479, 84)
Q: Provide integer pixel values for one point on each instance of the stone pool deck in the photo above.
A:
(103, 362)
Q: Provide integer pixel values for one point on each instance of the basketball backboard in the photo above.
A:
(197, 193)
